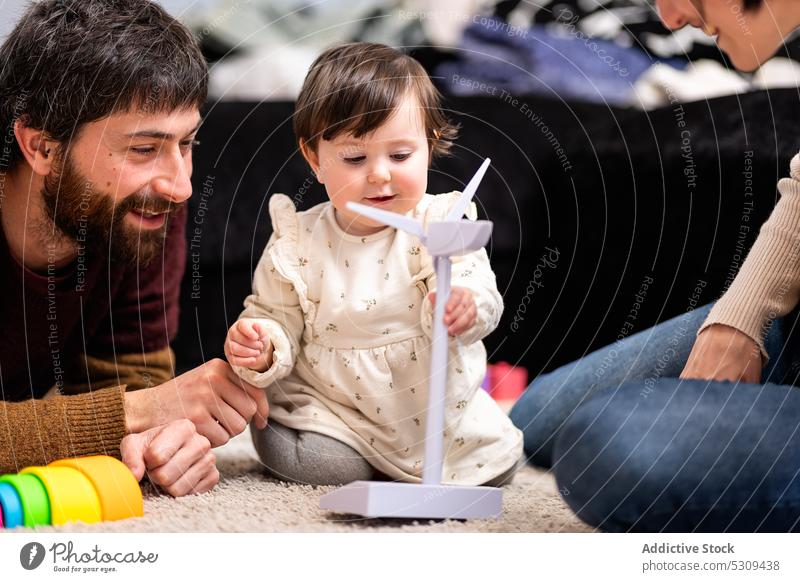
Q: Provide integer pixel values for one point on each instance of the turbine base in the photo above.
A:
(413, 500)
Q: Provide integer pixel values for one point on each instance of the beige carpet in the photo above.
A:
(247, 501)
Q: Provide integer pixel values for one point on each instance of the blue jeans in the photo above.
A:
(634, 448)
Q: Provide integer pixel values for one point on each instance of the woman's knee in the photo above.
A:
(542, 410)
(539, 417)
(605, 468)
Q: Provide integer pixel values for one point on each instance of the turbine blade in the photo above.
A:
(466, 197)
(390, 218)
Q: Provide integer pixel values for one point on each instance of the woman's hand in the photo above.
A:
(460, 312)
(724, 353)
(248, 346)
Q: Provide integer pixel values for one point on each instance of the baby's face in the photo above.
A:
(387, 169)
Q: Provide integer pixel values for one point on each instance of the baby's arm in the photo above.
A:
(262, 345)
(474, 274)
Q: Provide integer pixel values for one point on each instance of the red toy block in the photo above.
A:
(506, 382)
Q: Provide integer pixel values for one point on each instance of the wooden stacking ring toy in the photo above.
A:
(88, 489)
(72, 495)
(119, 493)
(35, 502)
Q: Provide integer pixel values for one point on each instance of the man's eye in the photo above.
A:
(149, 150)
(355, 159)
(401, 157)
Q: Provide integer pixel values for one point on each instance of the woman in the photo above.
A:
(693, 425)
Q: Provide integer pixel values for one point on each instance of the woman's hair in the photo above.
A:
(71, 62)
(355, 87)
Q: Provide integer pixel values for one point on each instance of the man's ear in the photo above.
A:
(312, 158)
(36, 146)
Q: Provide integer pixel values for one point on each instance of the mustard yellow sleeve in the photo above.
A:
(92, 372)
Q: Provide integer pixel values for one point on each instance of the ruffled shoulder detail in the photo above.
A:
(284, 250)
(283, 215)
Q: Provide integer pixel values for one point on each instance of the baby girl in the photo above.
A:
(338, 326)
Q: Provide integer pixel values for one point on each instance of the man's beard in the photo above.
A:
(91, 219)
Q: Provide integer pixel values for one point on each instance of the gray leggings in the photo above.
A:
(309, 457)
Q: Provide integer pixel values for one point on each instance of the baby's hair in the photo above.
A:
(355, 87)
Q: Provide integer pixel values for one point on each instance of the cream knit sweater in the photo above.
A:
(768, 284)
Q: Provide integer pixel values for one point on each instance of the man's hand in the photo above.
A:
(460, 312)
(248, 345)
(175, 457)
(724, 353)
(212, 396)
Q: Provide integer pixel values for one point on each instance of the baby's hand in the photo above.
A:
(248, 345)
(460, 312)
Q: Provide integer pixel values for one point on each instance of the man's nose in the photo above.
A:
(174, 179)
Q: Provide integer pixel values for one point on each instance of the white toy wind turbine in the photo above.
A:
(430, 499)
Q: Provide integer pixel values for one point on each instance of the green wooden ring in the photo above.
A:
(34, 498)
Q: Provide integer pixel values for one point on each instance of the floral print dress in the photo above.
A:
(351, 328)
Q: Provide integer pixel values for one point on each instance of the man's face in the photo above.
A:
(748, 37)
(124, 177)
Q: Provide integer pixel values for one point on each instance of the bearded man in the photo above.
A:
(99, 107)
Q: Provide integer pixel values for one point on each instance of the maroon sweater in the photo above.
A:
(95, 307)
